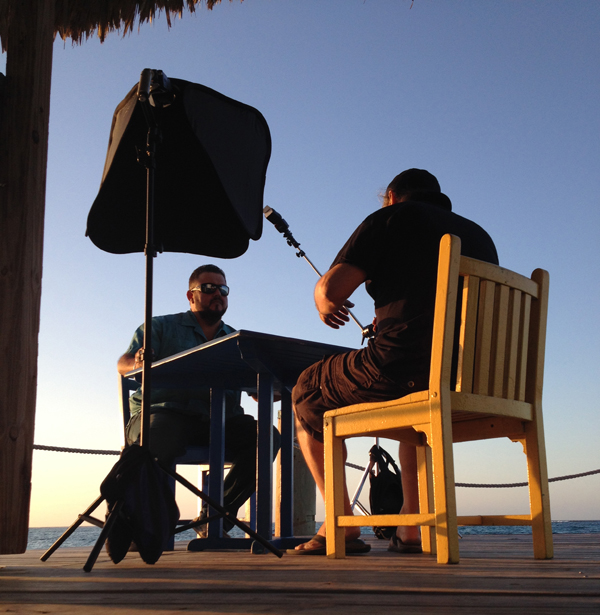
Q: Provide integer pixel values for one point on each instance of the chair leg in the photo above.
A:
(539, 497)
(172, 486)
(444, 489)
(426, 497)
(334, 491)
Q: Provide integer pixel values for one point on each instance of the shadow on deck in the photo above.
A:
(497, 574)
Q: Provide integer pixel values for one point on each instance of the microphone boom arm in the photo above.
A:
(283, 227)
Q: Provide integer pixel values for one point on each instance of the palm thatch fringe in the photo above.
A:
(82, 19)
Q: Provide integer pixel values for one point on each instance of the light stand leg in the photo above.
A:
(85, 516)
(355, 501)
(110, 521)
(213, 504)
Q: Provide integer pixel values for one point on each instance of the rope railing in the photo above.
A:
(84, 451)
(505, 485)
(88, 451)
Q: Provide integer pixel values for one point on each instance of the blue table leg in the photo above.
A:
(264, 465)
(286, 510)
(216, 457)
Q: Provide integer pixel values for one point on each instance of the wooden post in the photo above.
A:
(24, 116)
(305, 496)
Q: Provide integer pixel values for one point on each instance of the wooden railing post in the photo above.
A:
(24, 117)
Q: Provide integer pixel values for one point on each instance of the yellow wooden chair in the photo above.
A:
(498, 393)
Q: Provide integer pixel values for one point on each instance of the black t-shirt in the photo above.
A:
(398, 247)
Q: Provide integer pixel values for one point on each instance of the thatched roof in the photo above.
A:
(80, 19)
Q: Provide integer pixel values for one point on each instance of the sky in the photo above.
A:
(499, 99)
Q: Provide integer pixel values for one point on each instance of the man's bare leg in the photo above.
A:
(314, 455)
(410, 486)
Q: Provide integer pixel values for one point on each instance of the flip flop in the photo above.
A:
(353, 547)
(397, 546)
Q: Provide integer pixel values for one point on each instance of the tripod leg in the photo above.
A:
(359, 489)
(248, 530)
(80, 520)
(110, 521)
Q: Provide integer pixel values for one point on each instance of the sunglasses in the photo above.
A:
(209, 288)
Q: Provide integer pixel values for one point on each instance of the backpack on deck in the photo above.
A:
(386, 496)
(148, 513)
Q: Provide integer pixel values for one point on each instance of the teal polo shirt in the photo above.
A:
(172, 334)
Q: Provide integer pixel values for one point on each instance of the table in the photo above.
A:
(252, 362)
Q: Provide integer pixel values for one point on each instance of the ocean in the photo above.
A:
(86, 535)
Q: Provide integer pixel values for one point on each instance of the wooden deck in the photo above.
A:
(497, 574)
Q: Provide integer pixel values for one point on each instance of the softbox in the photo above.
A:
(211, 164)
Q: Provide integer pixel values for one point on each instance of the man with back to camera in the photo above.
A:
(395, 252)
(181, 418)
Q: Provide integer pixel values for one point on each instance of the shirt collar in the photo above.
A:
(191, 321)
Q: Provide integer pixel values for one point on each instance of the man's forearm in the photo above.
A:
(127, 363)
(336, 286)
(332, 292)
(325, 302)
(130, 361)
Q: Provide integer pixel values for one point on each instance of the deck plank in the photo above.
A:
(496, 574)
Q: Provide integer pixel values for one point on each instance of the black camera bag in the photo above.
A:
(386, 496)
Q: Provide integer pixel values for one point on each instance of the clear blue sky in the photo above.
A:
(498, 99)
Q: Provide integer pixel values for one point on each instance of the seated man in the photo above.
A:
(180, 418)
(395, 251)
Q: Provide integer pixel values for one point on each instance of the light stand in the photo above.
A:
(148, 159)
(155, 93)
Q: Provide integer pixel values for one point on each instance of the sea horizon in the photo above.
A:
(86, 535)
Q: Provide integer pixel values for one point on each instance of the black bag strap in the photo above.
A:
(383, 459)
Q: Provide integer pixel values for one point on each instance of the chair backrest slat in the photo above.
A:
(501, 297)
(468, 331)
(484, 338)
(524, 347)
(512, 343)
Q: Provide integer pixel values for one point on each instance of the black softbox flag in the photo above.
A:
(210, 174)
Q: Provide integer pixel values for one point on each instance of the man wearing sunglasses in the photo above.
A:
(181, 418)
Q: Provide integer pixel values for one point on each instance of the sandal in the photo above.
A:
(353, 547)
(397, 546)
